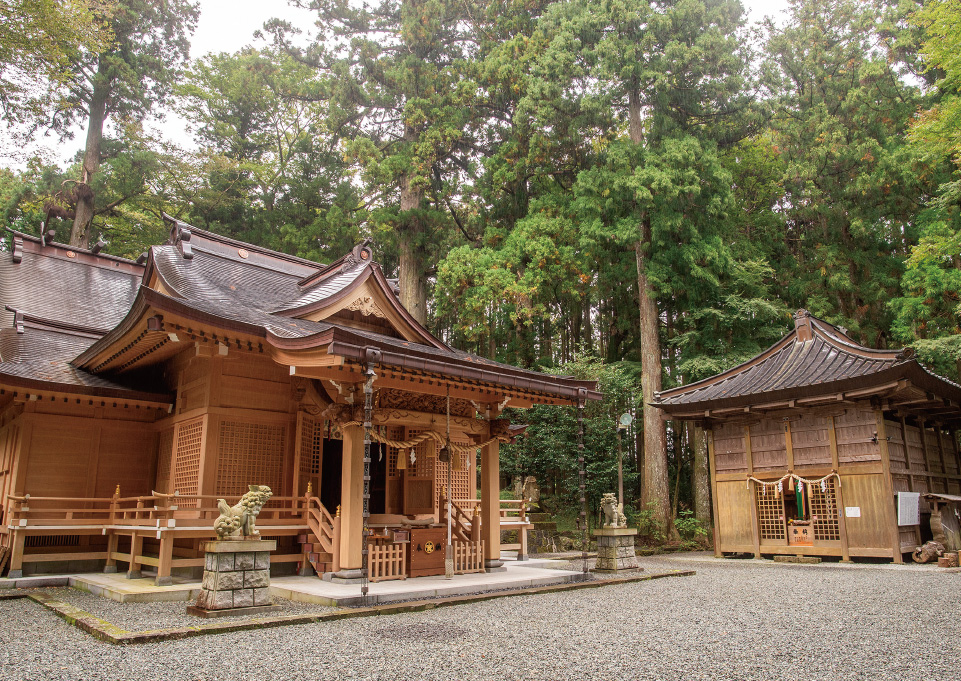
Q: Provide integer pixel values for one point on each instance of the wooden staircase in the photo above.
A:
(321, 546)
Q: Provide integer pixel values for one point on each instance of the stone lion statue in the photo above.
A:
(238, 520)
(613, 511)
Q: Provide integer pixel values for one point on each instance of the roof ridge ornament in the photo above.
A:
(906, 354)
(802, 325)
(180, 233)
(359, 254)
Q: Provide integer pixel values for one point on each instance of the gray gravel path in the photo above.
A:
(733, 620)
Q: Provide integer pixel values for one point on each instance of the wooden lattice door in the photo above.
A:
(419, 478)
(309, 451)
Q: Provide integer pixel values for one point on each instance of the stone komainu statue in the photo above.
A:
(613, 511)
(238, 520)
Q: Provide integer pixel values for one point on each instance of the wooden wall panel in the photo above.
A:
(729, 452)
(60, 457)
(897, 450)
(256, 367)
(252, 393)
(165, 450)
(916, 458)
(767, 445)
(128, 457)
(856, 429)
(734, 502)
(866, 492)
(809, 436)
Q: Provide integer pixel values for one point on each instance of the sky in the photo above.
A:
(229, 25)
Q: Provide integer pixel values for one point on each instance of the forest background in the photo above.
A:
(635, 191)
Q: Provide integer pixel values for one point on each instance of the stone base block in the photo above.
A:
(797, 559)
(232, 612)
(615, 549)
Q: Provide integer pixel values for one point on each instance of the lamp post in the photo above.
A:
(623, 423)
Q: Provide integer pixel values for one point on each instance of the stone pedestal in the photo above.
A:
(615, 549)
(236, 578)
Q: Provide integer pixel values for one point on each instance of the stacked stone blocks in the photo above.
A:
(236, 575)
(615, 549)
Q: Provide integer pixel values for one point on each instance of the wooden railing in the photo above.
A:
(464, 526)
(324, 528)
(512, 511)
(468, 557)
(163, 517)
(386, 560)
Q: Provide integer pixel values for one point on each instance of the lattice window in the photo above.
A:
(164, 452)
(187, 467)
(250, 454)
(311, 446)
(460, 479)
(395, 433)
(425, 453)
(770, 512)
(824, 510)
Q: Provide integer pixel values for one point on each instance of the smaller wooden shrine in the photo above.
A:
(819, 446)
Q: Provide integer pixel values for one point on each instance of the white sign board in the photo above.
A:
(909, 508)
(852, 511)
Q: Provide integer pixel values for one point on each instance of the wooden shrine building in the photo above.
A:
(134, 394)
(818, 444)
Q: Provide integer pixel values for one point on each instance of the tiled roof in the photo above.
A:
(814, 358)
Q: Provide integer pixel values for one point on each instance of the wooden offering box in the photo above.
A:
(425, 555)
(799, 535)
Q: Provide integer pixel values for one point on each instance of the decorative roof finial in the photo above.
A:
(802, 325)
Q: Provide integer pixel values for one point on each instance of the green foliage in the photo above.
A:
(39, 43)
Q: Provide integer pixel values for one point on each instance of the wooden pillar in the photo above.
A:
(755, 525)
(136, 548)
(709, 432)
(491, 504)
(838, 494)
(165, 559)
(16, 555)
(789, 446)
(352, 502)
(887, 486)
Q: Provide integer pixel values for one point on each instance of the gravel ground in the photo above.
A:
(735, 619)
(144, 616)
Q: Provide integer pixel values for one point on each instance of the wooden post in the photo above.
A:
(475, 525)
(887, 486)
(838, 495)
(713, 463)
(136, 548)
(111, 565)
(335, 543)
(165, 562)
(352, 501)
(491, 505)
(16, 555)
(789, 446)
(755, 524)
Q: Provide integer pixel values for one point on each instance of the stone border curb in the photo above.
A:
(109, 633)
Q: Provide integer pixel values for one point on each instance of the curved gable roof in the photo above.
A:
(814, 358)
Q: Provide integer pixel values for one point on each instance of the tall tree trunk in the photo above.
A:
(410, 245)
(80, 232)
(701, 477)
(656, 482)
